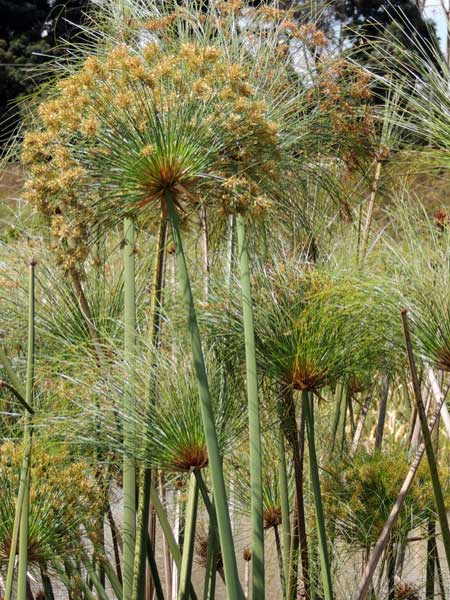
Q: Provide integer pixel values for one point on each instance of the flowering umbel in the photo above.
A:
(126, 128)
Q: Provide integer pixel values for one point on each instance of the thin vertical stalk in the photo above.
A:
(143, 513)
(228, 273)
(431, 527)
(284, 501)
(360, 425)
(165, 526)
(167, 557)
(234, 591)
(437, 489)
(382, 412)
(280, 561)
(338, 400)
(17, 518)
(176, 535)
(299, 538)
(210, 508)
(129, 467)
(101, 592)
(342, 425)
(307, 400)
(112, 577)
(153, 571)
(189, 539)
(247, 579)
(209, 587)
(115, 542)
(440, 577)
(230, 250)
(22, 577)
(168, 533)
(205, 257)
(209, 505)
(213, 541)
(292, 582)
(390, 569)
(430, 560)
(46, 582)
(254, 433)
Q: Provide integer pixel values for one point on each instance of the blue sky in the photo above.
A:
(435, 11)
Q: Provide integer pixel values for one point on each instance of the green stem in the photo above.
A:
(315, 482)
(430, 560)
(234, 591)
(390, 569)
(154, 573)
(440, 577)
(280, 561)
(284, 501)
(17, 384)
(17, 516)
(382, 412)
(337, 414)
(29, 389)
(434, 474)
(189, 539)
(102, 595)
(208, 504)
(68, 576)
(15, 393)
(343, 419)
(129, 467)
(168, 533)
(210, 509)
(112, 577)
(153, 335)
(209, 587)
(299, 537)
(46, 582)
(254, 433)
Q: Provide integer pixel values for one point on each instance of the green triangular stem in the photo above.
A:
(254, 433)
(325, 566)
(129, 467)
(234, 590)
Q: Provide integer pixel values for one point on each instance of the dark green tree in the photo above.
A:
(362, 19)
(29, 32)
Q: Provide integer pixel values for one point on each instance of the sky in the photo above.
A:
(435, 10)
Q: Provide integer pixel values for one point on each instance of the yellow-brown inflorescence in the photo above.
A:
(210, 114)
(61, 490)
(184, 118)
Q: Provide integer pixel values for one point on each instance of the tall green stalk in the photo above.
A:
(280, 561)
(144, 492)
(189, 539)
(437, 489)
(23, 484)
(209, 587)
(299, 539)
(307, 400)
(284, 501)
(24, 516)
(234, 591)
(254, 433)
(129, 467)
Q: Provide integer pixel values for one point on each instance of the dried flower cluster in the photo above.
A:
(63, 496)
(124, 129)
(343, 96)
